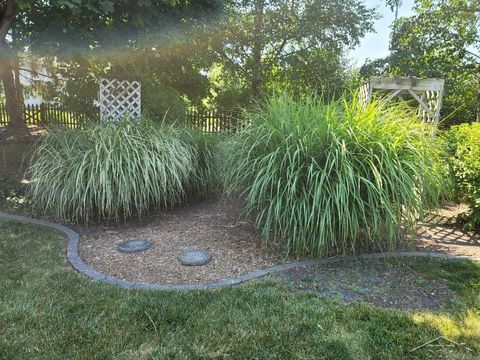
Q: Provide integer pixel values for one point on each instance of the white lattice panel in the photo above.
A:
(120, 98)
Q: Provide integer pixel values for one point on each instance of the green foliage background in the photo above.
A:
(464, 148)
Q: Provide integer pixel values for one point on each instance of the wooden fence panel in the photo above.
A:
(210, 121)
(51, 115)
(4, 118)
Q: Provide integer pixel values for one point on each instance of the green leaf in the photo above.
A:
(107, 6)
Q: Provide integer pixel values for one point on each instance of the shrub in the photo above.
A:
(113, 171)
(464, 148)
(326, 179)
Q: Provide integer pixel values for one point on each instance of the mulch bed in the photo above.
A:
(211, 225)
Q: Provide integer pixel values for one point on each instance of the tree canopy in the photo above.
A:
(266, 42)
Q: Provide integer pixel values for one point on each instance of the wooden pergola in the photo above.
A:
(427, 92)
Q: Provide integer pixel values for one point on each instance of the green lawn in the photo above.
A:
(48, 311)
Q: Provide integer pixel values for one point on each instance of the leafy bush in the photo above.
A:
(464, 147)
(162, 102)
(112, 171)
(326, 179)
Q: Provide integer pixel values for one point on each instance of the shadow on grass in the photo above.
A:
(13, 196)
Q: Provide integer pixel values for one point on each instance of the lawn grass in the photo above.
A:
(48, 311)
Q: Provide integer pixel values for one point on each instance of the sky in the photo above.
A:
(375, 45)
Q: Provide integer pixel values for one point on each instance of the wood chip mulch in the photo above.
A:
(210, 225)
(214, 225)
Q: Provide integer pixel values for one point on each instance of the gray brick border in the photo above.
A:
(78, 264)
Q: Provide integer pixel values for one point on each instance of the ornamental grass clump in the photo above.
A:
(111, 171)
(331, 178)
(205, 163)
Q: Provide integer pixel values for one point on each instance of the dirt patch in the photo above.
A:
(442, 232)
(384, 284)
(211, 225)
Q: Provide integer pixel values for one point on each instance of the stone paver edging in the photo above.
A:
(78, 264)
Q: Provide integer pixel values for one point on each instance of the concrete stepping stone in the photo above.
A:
(133, 246)
(195, 257)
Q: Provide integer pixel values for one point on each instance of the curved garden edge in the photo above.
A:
(79, 265)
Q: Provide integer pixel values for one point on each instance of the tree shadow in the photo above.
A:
(444, 233)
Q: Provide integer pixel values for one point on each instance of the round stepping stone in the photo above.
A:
(133, 246)
(195, 257)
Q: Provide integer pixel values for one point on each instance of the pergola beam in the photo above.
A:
(406, 83)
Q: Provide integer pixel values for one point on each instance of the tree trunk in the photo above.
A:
(13, 101)
(478, 93)
(9, 75)
(257, 71)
